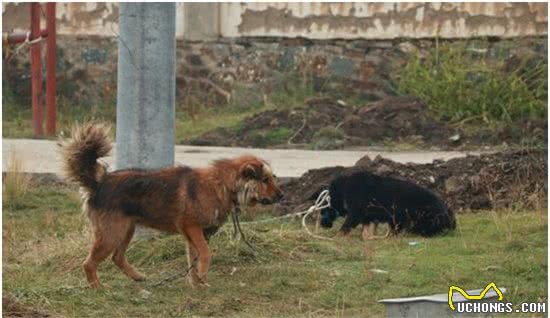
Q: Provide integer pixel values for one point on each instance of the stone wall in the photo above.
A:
(243, 70)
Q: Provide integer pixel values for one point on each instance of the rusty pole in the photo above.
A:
(50, 69)
(36, 70)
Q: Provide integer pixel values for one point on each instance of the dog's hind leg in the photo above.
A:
(100, 250)
(108, 236)
(120, 259)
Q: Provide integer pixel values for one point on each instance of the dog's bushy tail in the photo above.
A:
(87, 143)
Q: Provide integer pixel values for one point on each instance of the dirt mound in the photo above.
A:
(328, 124)
(279, 127)
(489, 181)
(397, 118)
(324, 123)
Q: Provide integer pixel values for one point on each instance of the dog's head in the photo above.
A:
(328, 215)
(257, 183)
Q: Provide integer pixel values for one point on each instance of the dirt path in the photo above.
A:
(40, 156)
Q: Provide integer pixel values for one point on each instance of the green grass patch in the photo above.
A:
(46, 239)
(17, 118)
(459, 85)
(275, 136)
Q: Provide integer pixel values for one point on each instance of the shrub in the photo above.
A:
(459, 86)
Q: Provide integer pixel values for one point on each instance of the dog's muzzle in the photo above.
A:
(276, 199)
(328, 215)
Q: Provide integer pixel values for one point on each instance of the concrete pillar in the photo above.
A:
(146, 85)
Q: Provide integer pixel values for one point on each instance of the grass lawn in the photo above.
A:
(45, 240)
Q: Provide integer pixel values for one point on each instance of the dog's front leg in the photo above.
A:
(196, 240)
(192, 258)
(351, 222)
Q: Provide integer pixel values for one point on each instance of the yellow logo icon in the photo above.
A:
(473, 297)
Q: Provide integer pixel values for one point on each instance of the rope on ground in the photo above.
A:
(322, 201)
(176, 275)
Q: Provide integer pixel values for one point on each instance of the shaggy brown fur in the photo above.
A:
(193, 202)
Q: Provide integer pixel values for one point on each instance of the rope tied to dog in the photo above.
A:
(322, 201)
(238, 231)
(177, 275)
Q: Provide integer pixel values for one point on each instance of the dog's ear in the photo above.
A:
(252, 170)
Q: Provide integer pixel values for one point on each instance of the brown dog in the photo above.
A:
(193, 202)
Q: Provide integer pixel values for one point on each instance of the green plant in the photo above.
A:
(272, 137)
(328, 138)
(458, 86)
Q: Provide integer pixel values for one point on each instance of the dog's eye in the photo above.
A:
(265, 179)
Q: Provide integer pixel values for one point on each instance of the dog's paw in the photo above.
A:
(139, 277)
(196, 281)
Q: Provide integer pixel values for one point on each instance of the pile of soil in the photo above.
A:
(324, 123)
(329, 124)
(499, 180)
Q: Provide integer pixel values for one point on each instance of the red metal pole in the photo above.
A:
(36, 71)
(50, 69)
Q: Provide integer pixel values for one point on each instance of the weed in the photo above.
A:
(16, 183)
(461, 87)
(328, 138)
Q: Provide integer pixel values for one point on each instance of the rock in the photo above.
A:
(455, 138)
(364, 162)
(383, 169)
(342, 67)
(454, 185)
(144, 294)
(407, 47)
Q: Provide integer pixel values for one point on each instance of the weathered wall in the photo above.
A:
(77, 18)
(346, 48)
(384, 20)
(197, 21)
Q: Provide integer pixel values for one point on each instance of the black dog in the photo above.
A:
(365, 198)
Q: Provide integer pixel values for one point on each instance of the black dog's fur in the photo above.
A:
(364, 198)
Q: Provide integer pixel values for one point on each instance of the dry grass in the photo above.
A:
(16, 184)
(293, 275)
